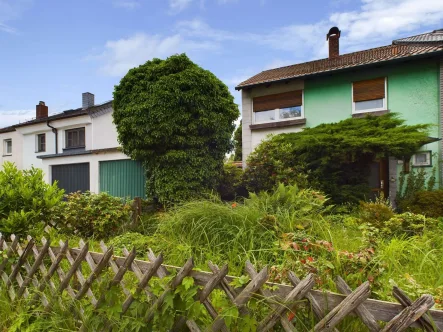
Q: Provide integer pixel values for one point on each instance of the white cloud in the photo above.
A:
(386, 19)
(123, 54)
(375, 23)
(11, 10)
(176, 6)
(10, 118)
(127, 4)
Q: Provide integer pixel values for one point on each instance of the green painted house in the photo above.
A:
(405, 77)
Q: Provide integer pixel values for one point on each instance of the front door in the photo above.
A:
(378, 178)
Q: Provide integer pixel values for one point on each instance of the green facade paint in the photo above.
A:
(123, 178)
(412, 91)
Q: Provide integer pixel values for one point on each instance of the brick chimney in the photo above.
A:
(333, 36)
(87, 100)
(41, 110)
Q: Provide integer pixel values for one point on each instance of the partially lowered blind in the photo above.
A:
(369, 89)
(279, 100)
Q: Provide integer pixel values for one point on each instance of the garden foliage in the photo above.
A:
(98, 215)
(231, 185)
(178, 119)
(429, 203)
(238, 145)
(26, 200)
(334, 157)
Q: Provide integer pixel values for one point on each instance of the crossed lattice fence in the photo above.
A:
(29, 269)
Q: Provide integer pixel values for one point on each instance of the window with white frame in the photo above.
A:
(422, 158)
(7, 147)
(369, 95)
(278, 107)
(40, 143)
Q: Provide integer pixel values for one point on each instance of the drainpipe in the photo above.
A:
(54, 130)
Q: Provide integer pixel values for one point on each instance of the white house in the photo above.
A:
(78, 148)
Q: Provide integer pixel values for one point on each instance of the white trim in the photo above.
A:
(5, 147)
(428, 158)
(383, 108)
(277, 112)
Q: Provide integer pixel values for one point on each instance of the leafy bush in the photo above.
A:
(412, 183)
(131, 240)
(25, 199)
(428, 203)
(178, 119)
(408, 223)
(377, 212)
(87, 214)
(293, 207)
(334, 158)
(231, 183)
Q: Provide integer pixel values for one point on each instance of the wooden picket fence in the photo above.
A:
(28, 269)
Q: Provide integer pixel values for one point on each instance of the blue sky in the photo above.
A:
(54, 50)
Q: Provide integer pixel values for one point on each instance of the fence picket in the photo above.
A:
(281, 299)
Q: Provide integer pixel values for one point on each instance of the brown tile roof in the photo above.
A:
(355, 59)
(434, 37)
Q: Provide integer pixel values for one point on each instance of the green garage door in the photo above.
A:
(123, 178)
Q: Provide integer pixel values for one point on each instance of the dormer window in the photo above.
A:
(75, 138)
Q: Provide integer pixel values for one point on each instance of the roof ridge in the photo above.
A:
(420, 34)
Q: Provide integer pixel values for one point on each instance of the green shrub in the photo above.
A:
(25, 199)
(99, 215)
(408, 223)
(131, 240)
(428, 203)
(293, 207)
(231, 183)
(334, 158)
(377, 212)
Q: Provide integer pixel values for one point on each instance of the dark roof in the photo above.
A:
(434, 37)
(7, 129)
(350, 60)
(62, 115)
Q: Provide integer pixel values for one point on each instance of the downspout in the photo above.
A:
(55, 131)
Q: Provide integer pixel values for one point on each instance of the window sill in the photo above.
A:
(75, 147)
(373, 113)
(278, 124)
(40, 151)
(7, 155)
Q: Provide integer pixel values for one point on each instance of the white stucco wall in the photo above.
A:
(104, 133)
(252, 138)
(17, 145)
(92, 159)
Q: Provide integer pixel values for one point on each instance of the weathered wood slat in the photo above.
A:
(351, 302)
(361, 311)
(182, 273)
(405, 301)
(38, 260)
(381, 310)
(270, 299)
(143, 282)
(296, 294)
(409, 314)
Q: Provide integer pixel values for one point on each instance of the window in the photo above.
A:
(7, 147)
(369, 95)
(41, 143)
(422, 158)
(278, 107)
(75, 138)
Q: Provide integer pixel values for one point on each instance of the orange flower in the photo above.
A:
(234, 205)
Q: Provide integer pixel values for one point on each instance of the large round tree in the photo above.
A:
(178, 119)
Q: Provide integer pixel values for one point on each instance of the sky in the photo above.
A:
(53, 51)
